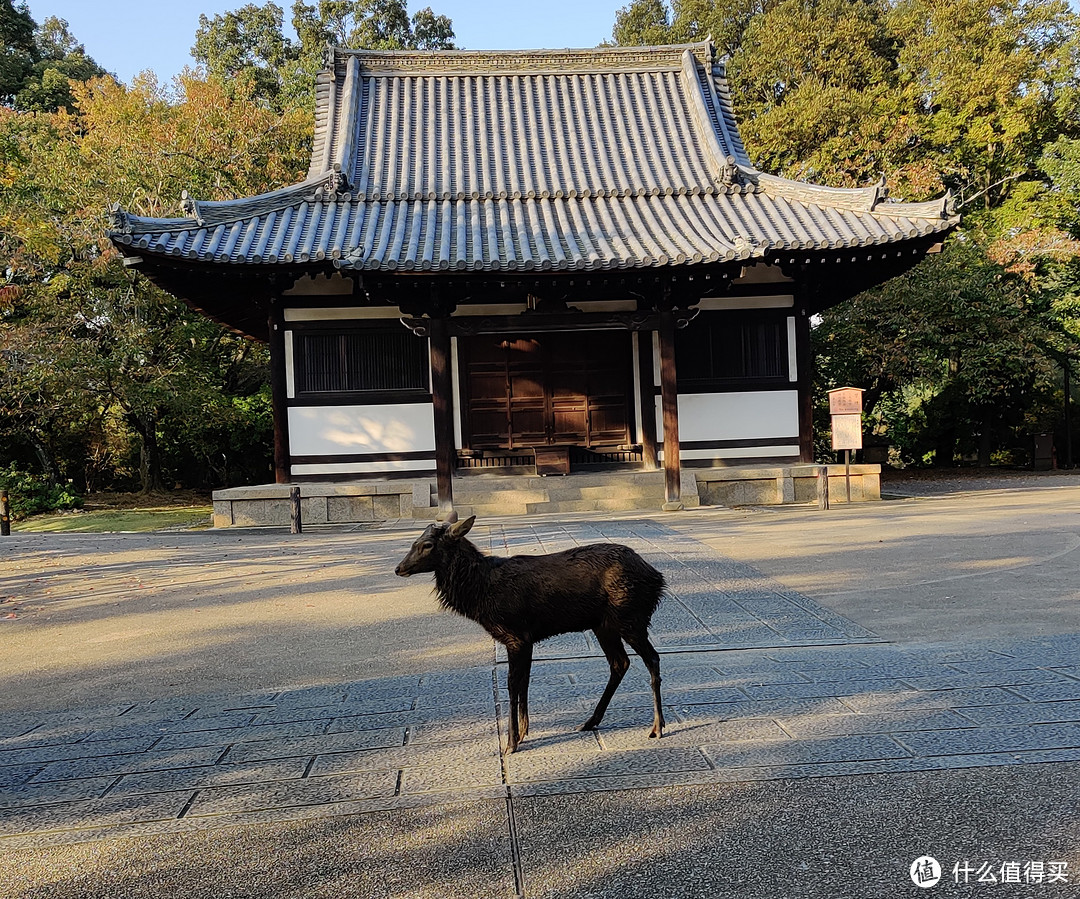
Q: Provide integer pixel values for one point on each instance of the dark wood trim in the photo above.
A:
(737, 443)
(738, 386)
(646, 401)
(279, 394)
(349, 458)
(361, 398)
(547, 322)
(443, 408)
(756, 289)
(670, 402)
(345, 477)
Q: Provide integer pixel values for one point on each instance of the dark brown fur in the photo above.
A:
(606, 588)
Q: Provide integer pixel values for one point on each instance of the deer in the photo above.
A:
(603, 587)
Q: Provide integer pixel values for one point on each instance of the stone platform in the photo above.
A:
(495, 494)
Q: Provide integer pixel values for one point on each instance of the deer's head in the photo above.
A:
(432, 546)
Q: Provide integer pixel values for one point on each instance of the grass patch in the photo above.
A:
(104, 521)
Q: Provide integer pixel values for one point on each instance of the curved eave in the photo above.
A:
(596, 234)
(228, 295)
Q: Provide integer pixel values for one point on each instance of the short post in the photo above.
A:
(5, 514)
(823, 488)
(847, 472)
(296, 526)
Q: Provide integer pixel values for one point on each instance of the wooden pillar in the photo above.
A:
(279, 395)
(805, 370)
(669, 401)
(647, 400)
(443, 403)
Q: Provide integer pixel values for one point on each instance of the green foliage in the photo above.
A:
(30, 493)
(980, 97)
(105, 380)
(246, 43)
(17, 48)
(109, 380)
(251, 42)
(958, 355)
(39, 63)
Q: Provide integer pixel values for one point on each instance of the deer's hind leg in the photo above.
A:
(519, 666)
(619, 662)
(640, 643)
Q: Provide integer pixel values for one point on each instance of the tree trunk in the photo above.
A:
(945, 448)
(49, 468)
(986, 439)
(149, 455)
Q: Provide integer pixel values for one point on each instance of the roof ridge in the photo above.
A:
(873, 198)
(607, 58)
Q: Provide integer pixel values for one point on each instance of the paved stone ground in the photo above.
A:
(778, 702)
(805, 754)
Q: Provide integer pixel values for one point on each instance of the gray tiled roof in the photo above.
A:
(526, 160)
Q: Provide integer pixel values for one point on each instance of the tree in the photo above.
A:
(251, 40)
(115, 359)
(958, 354)
(247, 43)
(17, 48)
(647, 22)
(38, 62)
(980, 97)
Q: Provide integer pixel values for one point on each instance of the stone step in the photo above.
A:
(628, 492)
(509, 495)
(487, 496)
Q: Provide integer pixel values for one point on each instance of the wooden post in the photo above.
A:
(647, 401)
(5, 515)
(279, 395)
(443, 403)
(1068, 417)
(804, 370)
(669, 401)
(296, 525)
(823, 487)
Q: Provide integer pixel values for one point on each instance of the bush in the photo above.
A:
(31, 493)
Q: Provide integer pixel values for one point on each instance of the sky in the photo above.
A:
(128, 38)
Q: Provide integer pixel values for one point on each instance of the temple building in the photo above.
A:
(530, 262)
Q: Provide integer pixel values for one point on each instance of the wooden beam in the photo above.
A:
(805, 371)
(279, 394)
(442, 403)
(669, 401)
(647, 401)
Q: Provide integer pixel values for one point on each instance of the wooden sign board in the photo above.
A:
(845, 401)
(847, 432)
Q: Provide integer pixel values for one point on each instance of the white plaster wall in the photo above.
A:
(349, 430)
(735, 416)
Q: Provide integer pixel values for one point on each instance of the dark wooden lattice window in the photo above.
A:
(725, 350)
(369, 361)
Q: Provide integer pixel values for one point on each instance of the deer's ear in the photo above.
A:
(460, 528)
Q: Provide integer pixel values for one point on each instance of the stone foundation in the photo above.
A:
(269, 504)
(362, 501)
(774, 486)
